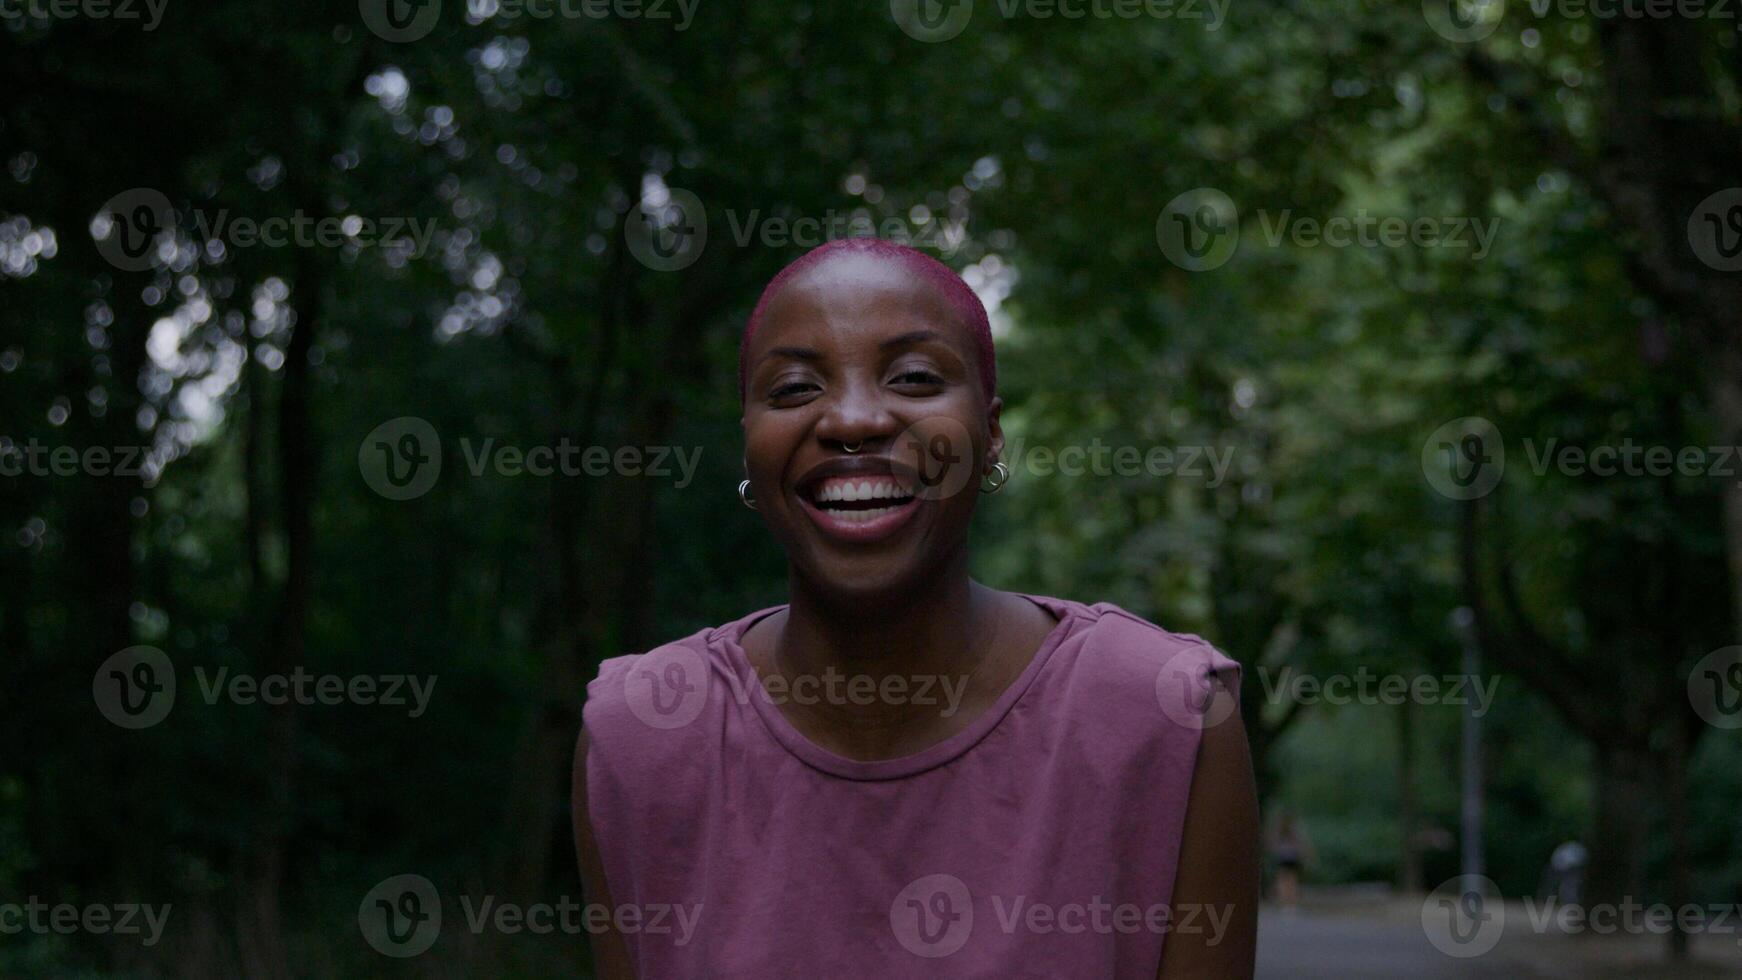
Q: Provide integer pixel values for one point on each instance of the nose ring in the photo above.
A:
(855, 447)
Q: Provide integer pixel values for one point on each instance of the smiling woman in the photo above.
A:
(1081, 805)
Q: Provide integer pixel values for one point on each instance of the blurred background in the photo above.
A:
(368, 374)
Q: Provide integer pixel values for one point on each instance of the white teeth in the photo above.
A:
(852, 490)
(860, 516)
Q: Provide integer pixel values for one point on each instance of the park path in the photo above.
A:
(1317, 946)
(1385, 939)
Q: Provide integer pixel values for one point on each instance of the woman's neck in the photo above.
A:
(885, 676)
(927, 630)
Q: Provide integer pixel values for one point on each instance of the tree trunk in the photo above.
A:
(1726, 399)
(267, 953)
(1408, 819)
(1676, 802)
(1624, 784)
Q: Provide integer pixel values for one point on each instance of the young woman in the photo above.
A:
(903, 772)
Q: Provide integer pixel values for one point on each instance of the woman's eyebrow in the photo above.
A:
(796, 353)
(910, 338)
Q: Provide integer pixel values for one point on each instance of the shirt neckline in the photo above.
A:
(1070, 615)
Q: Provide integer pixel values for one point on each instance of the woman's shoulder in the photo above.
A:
(666, 689)
(1122, 638)
(1115, 656)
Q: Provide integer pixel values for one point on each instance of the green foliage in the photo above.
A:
(1050, 149)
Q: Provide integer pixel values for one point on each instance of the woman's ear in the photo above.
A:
(995, 446)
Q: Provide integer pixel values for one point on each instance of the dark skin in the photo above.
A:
(859, 352)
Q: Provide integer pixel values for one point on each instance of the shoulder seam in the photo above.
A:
(1191, 639)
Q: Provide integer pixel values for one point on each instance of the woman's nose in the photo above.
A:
(856, 418)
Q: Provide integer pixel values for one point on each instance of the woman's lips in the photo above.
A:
(861, 526)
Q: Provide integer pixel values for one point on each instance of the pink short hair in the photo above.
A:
(956, 293)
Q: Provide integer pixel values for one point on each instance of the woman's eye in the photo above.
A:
(916, 376)
(790, 389)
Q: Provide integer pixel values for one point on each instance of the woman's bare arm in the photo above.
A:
(610, 953)
(1215, 893)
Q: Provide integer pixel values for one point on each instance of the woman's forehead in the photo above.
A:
(860, 292)
(860, 286)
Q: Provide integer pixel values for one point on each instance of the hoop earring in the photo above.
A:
(744, 495)
(1000, 476)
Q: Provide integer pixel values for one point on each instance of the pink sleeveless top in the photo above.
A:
(1040, 841)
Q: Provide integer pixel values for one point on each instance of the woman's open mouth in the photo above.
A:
(859, 508)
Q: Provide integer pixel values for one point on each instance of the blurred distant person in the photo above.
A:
(903, 772)
(1564, 875)
(1290, 851)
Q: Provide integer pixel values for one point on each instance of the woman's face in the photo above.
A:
(860, 351)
